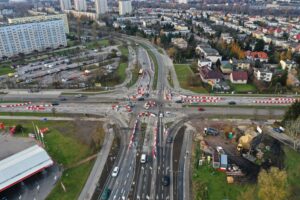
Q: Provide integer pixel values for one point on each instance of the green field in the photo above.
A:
(124, 50)
(212, 184)
(5, 69)
(66, 144)
(292, 166)
(240, 88)
(183, 71)
(121, 71)
(97, 44)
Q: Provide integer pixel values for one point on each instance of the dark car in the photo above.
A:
(141, 99)
(166, 181)
(169, 139)
(231, 102)
(105, 194)
(55, 103)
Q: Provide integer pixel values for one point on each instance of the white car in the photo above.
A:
(115, 172)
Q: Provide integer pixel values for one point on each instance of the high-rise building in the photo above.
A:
(20, 20)
(125, 7)
(65, 4)
(80, 5)
(101, 7)
(29, 37)
(183, 1)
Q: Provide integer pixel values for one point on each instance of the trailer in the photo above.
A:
(224, 162)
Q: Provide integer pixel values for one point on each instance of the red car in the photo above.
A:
(200, 109)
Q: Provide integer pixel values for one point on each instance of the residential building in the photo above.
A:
(263, 75)
(41, 18)
(101, 7)
(226, 67)
(125, 7)
(28, 37)
(226, 37)
(180, 43)
(209, 76)
(209, 53)
(90, 15)
(288, 64)
(80, 5)
(239, 77)
(257, 55)
(183, 1)
(65, 4)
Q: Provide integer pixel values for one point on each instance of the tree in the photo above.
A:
(172, 52)
(272, 184)
(289, 54)
(259, 45)
(292, 113)
(248, 194)
(94, 30)
(293, 130)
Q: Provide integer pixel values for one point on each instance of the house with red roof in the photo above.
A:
(239, 77)
(257, 55)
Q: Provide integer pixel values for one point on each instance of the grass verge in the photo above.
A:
(97, 44)
(135, 76)
(184, 72)
(67, 144)
(5, 69)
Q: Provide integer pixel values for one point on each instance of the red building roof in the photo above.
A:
(239, 75)
(257, 54)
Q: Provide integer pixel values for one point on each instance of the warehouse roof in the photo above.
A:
(22, 165)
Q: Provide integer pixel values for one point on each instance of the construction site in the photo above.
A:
(239, 148)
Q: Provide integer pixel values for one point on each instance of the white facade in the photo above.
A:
(125, 7)
(40, 18)
(26, 38)
(65, 4)
(101, 7)
(80, 5)
(183, 1)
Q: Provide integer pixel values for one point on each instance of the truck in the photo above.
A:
(215, 160)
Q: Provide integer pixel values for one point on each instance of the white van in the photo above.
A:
(143, 158)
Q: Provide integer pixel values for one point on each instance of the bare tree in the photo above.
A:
(293, 130)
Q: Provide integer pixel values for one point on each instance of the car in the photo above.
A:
(141, 99)
(115, 172)
(161, 115)
(166, 181)
(105, 194)
(169, 139)
(78, 95)
(231, 102)
(143, 158)
(200, 109)
(63, 99)
(278, 130)
(55, 103)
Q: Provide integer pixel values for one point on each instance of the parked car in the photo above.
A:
(166, 181)
(55, 103)
(220, 150)
(115, 172)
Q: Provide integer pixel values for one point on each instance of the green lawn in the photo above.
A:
(124, 50)
(183, 71)
(121, 71)
(73, 179)
(215, 182)
(292, 166)
(65, 145)
(5, 69)
(97, 44)
(239, 88)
